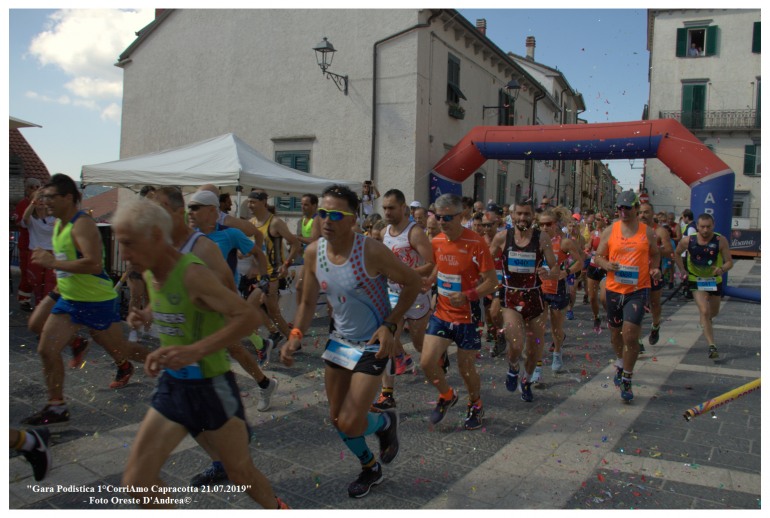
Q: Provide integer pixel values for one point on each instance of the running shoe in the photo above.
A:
(384, 402)
(369, 477)
(625, 390)
(512, 379)
(654, 335)
(39, 456)
(48, 416)
(557, 363)
(214, 474)
(713, 353)
(597, 325)
(265, 394)
(570, 315)
(444, 362)
(263, 355)
(389, 438)
(474, 418)
(618, 376)
(79, 347)
(404, 363)
(442, 406)
(526, 391)
(641, 346)
(537, 376)
(123, 375)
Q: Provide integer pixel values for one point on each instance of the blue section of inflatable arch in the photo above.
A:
(602, 149)
(440, 185)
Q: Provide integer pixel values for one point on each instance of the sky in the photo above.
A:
(62, 74)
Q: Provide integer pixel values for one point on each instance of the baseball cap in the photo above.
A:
(254, 195)
(204, 198)
(576, 217)
(494, 207)
(627, 199)
(415, 204)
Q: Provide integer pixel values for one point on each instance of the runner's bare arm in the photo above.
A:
(421, 243)
(602, 250)
(244, 226)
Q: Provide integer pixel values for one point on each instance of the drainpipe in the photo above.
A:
(561, 162)
(374, 83)
(574, 175)
(538, 97)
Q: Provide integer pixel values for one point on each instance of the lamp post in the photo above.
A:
(324, 53)
(512, 85)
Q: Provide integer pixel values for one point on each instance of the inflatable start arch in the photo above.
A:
(711, 181)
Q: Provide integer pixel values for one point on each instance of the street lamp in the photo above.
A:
(324, 53)
(512, 85)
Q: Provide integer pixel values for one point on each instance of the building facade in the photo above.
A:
(705, 72)
(417, 82)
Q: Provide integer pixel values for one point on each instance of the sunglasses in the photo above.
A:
(334, 215)
(447, 218)
(194, 208)
(623, 207)
(547, 224)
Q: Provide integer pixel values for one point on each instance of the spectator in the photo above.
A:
(31, 185)
(40, 226)
(369, 193)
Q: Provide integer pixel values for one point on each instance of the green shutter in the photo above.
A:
(711, 40)
(749, 160)
(299, 160)
(756, 44)
(681, 43)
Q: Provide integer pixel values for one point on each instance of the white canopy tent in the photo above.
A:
(225, 161)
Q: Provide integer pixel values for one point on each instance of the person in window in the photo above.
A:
(694, 51)
(369, 193)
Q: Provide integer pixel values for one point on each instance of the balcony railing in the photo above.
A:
(717, 119)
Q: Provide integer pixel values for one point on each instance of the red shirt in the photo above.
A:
(18, 215)
(460, 264)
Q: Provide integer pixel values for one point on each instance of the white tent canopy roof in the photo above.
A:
(223, 161)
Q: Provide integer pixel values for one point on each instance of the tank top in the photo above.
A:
(79, 287)
(521, 262)
(307, 226)
(403, 249)
(702, 259)
(551, 286)
(633, 255)
(188, 245)
(360, 302)
(271, 246)
(181, 322)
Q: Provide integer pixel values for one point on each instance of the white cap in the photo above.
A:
(415, 204)
(204, 198)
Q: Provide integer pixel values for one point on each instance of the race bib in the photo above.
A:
(448, 284)
(707, 283)
(627, 275)
(344, 354)
(521, 262)
(60, 274)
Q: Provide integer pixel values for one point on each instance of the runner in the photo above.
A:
(196, 394)
(492, 305)
(656, 287)
(408, 242)
(569, 260)
(461, 258)
(87, 298)
(708, 258)
(354, 271)
(524, 249)
(629, 252)
(308, 230)
(594, 275)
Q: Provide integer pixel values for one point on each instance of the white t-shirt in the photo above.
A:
(40, 232)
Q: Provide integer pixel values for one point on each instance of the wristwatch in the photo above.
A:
(391, 327)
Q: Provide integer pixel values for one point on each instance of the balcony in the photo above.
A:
(716, 120)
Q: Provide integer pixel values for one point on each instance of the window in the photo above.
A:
(756, 44)
(741, 204)
(693, 105)
(752, 161)
(502, 183)
(696, 41)
(299, 160)
(453, 92)
(505, 115)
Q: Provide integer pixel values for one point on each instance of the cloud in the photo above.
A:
(111, 112)
(94, 87)
(62, 99)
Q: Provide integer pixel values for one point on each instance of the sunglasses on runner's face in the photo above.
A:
(546, 223)
(194, 208)
(334, 215)
(447, 217)
(623, 207)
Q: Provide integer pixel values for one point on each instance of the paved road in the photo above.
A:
(576, 447)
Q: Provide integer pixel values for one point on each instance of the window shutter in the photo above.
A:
(749, 160)
(711, 40)
(756, 45)
(681, 43)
